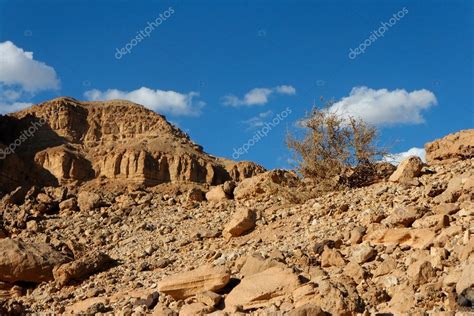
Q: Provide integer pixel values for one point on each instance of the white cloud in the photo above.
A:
(258, 120)
(398, 157)
(21, 77)
(284, 89)
(17, 67)
(257, 96)
(160, 101)
(384, 107)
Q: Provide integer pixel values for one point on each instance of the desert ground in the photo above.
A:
(110, 210)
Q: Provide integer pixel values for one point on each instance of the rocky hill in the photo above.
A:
(65, 141)
(265, 243)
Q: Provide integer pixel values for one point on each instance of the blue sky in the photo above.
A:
(220, 70)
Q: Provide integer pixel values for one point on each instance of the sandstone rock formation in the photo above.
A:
(114, 140)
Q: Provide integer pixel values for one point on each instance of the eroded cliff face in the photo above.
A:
(69, 141)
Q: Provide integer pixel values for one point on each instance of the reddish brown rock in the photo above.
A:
(262, 288)
(186, 284)
(332, 257)
(242, 221)
(416, 238)
(28, 262)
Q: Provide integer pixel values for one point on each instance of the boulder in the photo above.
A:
(363, 253)
(69, 204)
(262, 288)
(356, 235)
(403, 300)
(355, 271)
(420, 272)
(241, 222)
(446, 208)
(186, 284)
(385, 267)
(458, 186)
(456, 146)
(217, 193)
(466, 279)
(28, 262)
(401, 216)
(437, 221)
(81, 268)
(88, 201)
(255, 264)
(332, 257)
(415, 238)
(407, 171)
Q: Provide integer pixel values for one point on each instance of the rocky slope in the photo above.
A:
(66, 141)
(264, 245)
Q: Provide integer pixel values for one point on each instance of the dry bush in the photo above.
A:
(333, 147)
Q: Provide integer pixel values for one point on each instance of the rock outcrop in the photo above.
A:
(456, 146)
(65, 140)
